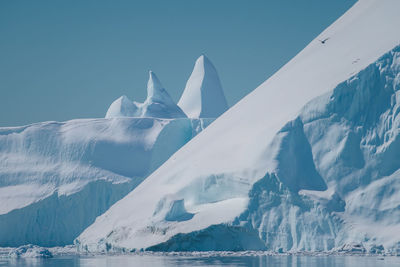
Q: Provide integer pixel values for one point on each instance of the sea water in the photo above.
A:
(203, 260)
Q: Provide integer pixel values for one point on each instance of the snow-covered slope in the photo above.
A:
(57, 177)
(275, 173)
(203, 96)
(158, 104)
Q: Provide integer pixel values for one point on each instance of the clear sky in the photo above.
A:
(69, 59)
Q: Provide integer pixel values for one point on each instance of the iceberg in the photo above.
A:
(158, 104)
(30, 251)
(57, 177)
(306, 162)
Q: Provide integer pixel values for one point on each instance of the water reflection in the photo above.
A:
(170, 261)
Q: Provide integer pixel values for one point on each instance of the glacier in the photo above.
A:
(306, 162)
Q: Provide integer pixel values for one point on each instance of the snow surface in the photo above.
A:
(253, 173)
(57, 177)
(203, 96)
(158, 104)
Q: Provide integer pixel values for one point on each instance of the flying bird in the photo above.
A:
(323, 41)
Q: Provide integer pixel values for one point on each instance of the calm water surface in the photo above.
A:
(169, 261)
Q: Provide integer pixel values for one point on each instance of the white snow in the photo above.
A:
(247, 144)
(203, 96)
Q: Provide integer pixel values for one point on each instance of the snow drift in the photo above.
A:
(277, 171)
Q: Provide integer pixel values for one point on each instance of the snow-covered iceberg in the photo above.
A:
(158, 104)
(57, 177)
(307, 161)
(203, 96)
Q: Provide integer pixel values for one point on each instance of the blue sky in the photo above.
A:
(62, 60)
